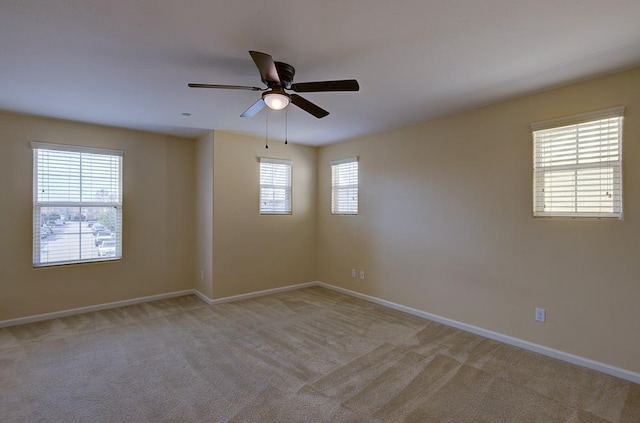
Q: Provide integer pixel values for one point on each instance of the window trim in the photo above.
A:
(39, 205)
(338, 162)
(288, 188)
(613, 112)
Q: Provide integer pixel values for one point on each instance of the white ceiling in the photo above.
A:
(127, 63)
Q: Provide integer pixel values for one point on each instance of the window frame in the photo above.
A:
(39, 204)
(288, 188)
(336, 208)
(538, 130)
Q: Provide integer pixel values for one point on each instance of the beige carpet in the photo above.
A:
(311, 355)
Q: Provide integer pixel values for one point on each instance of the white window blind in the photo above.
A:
(344, 186)
(77, 204)
(275, 186)
(578, 166)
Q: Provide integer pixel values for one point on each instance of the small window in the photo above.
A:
(275, 186)
(578, 166)
(77, 204)
(344, 186)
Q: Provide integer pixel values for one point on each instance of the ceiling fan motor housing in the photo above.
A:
(285, 72)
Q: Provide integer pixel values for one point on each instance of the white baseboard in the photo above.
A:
(516, 342)
(88, 309)
(550, 352)
(256, 294)
(115, 304)
(202, 297)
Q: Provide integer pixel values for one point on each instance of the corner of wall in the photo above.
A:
(203, 275)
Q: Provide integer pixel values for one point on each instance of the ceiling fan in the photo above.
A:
(278, 77)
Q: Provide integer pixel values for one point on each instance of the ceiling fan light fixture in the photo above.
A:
(276, 101)
(278, 77)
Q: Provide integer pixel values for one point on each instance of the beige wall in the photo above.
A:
(446, 226)
(204, 215)
(253, 252)
(158, 210)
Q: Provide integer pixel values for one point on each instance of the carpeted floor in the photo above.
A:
(310, 355)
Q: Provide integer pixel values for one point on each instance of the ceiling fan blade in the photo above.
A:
(308, 106)
(320, 86)
(266, 66)
(254, 109)
(226, 87)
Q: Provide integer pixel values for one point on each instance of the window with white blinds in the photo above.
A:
(77, 204)
(344, 186)
(578, 166)
(275, 186)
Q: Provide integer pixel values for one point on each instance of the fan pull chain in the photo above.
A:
(286, 126)
(266, 137)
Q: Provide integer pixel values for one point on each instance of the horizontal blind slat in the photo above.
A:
(275, 186)
(344, 181)
(72, 185)
(577, 169)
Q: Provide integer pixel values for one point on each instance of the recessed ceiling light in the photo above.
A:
(186, 114)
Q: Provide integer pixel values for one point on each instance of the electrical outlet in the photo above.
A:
(541, 314)
(362, 274)
(201, 274)
(353, 273)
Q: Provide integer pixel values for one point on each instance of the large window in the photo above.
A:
(344, 186)
(77, 204)
(275, 186)
(578, 166)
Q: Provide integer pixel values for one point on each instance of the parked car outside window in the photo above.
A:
(107, 249)
(97, 227)
(103, 236)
